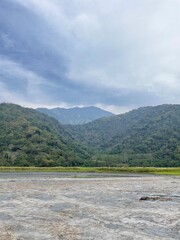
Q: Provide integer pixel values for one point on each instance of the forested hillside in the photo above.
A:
(148, 136)
(29, 138)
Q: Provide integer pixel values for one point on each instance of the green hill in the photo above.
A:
(148, 136)
(30, 138)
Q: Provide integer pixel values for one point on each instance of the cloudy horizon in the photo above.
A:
(117, 55)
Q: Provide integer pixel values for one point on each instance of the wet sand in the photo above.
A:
(70, 206)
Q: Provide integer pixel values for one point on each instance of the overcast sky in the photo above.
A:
(115, 54)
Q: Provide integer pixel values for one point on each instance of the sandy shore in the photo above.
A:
(52, 206)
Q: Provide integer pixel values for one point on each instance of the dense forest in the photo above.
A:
(148, 136)
(29, 138)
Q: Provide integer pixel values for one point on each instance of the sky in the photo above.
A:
(117, 55)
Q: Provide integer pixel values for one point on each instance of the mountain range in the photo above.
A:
(148, 136)
(75, 115)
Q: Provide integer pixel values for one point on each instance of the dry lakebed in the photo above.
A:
(70, 206)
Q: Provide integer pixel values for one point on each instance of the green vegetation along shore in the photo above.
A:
(144, 170)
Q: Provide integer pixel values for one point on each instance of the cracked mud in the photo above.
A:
(52, 206)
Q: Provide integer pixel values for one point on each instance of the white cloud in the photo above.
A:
(115, 108)
(133, 48)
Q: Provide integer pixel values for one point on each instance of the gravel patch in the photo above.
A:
(70, 206)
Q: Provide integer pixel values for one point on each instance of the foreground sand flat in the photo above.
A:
(52, 206)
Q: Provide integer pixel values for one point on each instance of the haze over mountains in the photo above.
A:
(76, 115)
(148, 136)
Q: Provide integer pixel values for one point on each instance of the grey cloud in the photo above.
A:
(119, 52)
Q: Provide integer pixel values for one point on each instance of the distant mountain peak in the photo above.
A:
(76, 115)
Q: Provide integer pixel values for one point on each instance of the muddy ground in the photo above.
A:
(69, 206)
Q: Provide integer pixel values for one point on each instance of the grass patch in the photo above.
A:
(145, 170)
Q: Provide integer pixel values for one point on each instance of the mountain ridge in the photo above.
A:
(76, 115)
